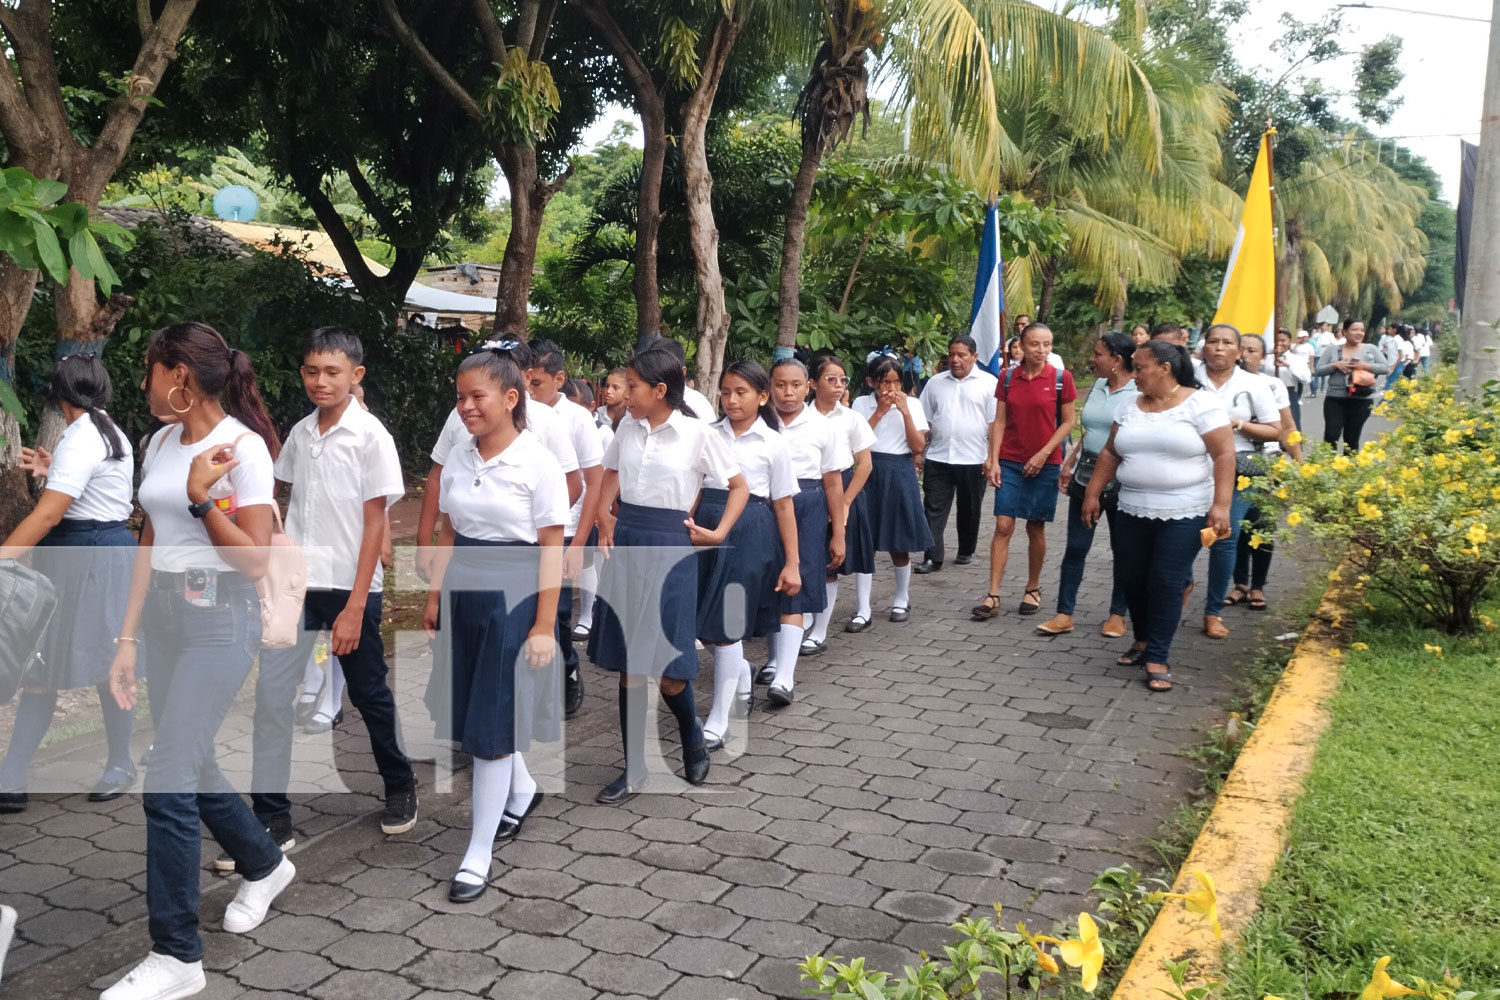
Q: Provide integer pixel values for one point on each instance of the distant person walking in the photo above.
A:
(1350, 368)
(960, 405)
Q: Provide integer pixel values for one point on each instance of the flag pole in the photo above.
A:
(1269, 138)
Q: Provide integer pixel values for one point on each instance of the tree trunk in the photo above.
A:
(789, 288)
(648, 219)
(514, 294)
(1479, 336)
(703, 232)
(1050, 268)
(1117, 311)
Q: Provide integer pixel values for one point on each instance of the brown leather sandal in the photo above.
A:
(984, 611)
(1031, 609)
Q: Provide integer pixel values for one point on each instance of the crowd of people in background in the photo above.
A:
(540, 482)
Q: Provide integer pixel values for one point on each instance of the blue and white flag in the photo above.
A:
(989, 300)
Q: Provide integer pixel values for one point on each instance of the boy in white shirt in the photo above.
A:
(344, 474)
(544, 384)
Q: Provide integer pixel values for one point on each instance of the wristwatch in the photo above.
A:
(200, 510)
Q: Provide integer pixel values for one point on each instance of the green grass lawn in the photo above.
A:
(1395, 846)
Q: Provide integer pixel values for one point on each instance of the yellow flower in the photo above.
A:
(1434, 650)
(1495, 493)
(1410, 472)
(1337, 654)
(1389, 394)
(1282, 494)
(1295, 437)
(1308, 470)
(1257, 540)
(1242, 483)
(1333, 576)
(1440, 460)
(1342, 464)
(1360, 646)
(1488, 622)
(1382, 986)
(1364, 459)
(1204, 900)
(1045, 961)
(1477, 535)
(1452, 436)
(1294, 519)
(1086, 953)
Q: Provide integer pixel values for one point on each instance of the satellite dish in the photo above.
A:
(236, 203)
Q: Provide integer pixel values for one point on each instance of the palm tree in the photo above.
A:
(942, 62)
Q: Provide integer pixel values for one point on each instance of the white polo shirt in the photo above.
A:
(852, 433)
(960, 412)
(332, 476)
(890, 433)
(812, 441)
(1246, 396)
(763, 460)
(583, 435)
(665, 467)
(542, 421)
(508, 498)
(699, 404)
(101, 487)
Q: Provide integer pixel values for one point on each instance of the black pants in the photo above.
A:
(565, 624)
(364, 677)
(1253, 565)
(940, 482)
(1345, 416)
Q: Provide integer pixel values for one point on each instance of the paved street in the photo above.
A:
(925, 771)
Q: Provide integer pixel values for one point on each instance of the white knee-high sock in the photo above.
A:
(588, 584)
(819, 631)
(902, 598)
(522, 786)
(312, 679)
(491, 786)
(333, 691)
(729, 664)
(862, 584)
(788, 645)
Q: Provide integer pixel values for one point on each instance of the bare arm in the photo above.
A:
(833, 492)
(122, 669)
(790, 579)
(349, 625)
(862, 466)
(1220, 444)
(46, 515)
(541, 643)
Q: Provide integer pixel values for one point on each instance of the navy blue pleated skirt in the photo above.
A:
(737, 580)
(646, 618)
(897, 520)
(859, 538)
(483, 693)
(89, 563)
(811, 508)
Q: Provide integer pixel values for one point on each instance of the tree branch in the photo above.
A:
(435, 69)
(22, 131)
(637, 73)
(374, 204)
(367, 281)
(541, 29)
(489, 30)
(552, 187)
(143, 18)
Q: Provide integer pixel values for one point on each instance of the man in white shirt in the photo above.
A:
(960, 405)
(544, 382)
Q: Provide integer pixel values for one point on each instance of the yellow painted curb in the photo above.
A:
(1246, 831)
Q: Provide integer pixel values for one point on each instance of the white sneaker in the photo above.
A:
(7, 931)
(158, 977)
(249, 906)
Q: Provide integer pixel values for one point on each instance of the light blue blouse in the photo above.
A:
(1099, 412)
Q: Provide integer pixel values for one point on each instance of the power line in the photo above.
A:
(1409, 10)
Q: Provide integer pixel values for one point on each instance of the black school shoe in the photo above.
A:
(280, 829)
(621, 788)
(572, 693)
(926, 566)
(112, 785)
(510, 824)
(962, 560)
(466, 892)
(400, 812)
(14, 802)
(695, 763)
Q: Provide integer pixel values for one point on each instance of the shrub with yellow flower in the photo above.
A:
(1406, 510)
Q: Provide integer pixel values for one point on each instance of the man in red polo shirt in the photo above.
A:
(1033, 417)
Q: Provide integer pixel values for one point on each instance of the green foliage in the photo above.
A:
(1418, 508)
(264, 306)
(1391, 849)
(1377, 77)
(41, 232)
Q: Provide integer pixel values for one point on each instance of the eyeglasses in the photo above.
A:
(836, 379)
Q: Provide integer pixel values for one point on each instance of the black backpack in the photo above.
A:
(27, 601)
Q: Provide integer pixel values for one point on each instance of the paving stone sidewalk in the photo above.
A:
(926, 771)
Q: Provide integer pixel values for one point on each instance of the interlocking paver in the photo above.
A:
(925, 772)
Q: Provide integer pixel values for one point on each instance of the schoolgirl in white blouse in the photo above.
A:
(648, 590)
(495, 587)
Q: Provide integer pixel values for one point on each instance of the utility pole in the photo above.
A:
(1479, 336)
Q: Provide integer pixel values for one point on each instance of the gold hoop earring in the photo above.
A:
(185, 395)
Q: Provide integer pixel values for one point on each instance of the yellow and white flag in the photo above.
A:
(1248, 298)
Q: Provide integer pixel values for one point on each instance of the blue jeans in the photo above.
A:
(196, 661)
(1222, 554)
(1391, 379)
(1080, 540)
(364, 676)
(1152, 561)
(1294, 401)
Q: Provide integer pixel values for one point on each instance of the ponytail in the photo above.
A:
(241, 399)
(81, 381)
(221, 373)
(755, 376)
(658, 366)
